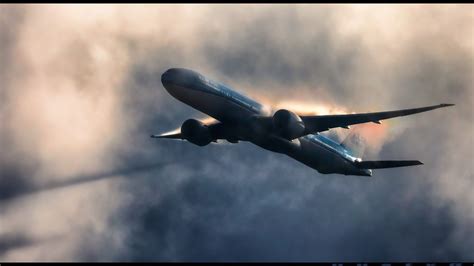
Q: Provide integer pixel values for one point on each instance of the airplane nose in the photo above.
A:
(178, 76)
(166, 77)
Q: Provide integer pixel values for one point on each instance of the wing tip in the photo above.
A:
(446, 104)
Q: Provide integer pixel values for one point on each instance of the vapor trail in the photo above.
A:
(79, 180)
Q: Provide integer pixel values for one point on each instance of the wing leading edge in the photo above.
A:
(320, 123)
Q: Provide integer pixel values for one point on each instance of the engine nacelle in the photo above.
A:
(288, 124)
(196, 132)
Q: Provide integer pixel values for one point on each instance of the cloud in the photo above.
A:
(81, 93)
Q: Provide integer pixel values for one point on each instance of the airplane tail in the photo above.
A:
(385, 164)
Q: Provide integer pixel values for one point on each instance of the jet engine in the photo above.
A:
(196, 132)
(288, 124)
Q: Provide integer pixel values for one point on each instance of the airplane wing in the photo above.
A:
(320, 123)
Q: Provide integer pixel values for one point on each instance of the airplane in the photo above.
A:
(239, 118)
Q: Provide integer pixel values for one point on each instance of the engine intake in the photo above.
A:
(288, 124)
(196, 132)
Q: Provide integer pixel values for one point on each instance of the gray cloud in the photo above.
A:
(89, 94)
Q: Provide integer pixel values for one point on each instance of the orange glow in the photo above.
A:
(207, 120)
(373, 135)
(302, 108)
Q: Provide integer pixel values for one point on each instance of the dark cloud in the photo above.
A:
(270, 53)
(255, 216)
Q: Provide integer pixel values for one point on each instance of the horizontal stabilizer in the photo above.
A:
(385, 164)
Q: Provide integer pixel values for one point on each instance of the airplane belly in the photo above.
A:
(216, 106)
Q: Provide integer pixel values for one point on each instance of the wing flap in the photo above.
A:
(385, 164)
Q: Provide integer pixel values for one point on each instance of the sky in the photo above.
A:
(80, 94)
